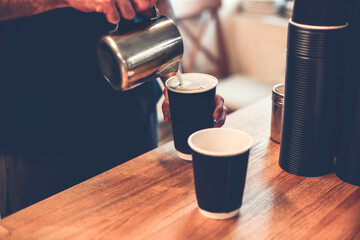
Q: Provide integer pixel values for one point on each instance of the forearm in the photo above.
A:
(10, 9)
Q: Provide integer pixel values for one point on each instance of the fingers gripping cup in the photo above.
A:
(220, 159)
(192, 105)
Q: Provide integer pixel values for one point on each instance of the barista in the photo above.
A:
(60, 121)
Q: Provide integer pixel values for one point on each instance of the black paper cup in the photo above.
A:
(347, 166)
(307, 141)
(220, 159)
(326, 45)
(315, 41)
(191, 110)
(314, 69)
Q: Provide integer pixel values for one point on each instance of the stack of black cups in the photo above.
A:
(314, 71)
(347, 165)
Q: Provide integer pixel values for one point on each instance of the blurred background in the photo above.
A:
(241, 42)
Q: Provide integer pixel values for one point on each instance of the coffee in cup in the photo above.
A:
(220, 159)
(192, 105)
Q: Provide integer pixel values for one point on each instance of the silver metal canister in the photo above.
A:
(277, 111)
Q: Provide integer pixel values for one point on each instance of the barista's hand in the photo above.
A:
(219, 114)
(113, 9)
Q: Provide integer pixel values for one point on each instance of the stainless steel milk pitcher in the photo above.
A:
(151, 48)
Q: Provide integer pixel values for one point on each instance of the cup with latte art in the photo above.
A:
(192, 105)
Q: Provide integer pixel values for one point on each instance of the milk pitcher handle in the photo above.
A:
(147, 15)
(141, 50)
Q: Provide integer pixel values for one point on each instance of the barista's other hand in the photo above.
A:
(113, 9)
(219, 114)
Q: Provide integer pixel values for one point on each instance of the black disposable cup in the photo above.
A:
(314, 69)
(220, 159)
(309, 120)
(320, 12)
(190, 110)
(315, 42)
(347, 166)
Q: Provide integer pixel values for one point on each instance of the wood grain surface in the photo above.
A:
(3, 232)
(153, 197)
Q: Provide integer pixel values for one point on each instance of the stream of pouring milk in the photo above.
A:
(178, 74)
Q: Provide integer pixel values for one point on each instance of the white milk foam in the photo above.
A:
(192, 83)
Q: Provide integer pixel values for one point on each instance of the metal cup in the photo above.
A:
(277, 111)
(151, 48)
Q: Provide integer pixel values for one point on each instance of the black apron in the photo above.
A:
(55, 104)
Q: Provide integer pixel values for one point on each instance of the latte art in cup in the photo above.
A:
(192, 83)
(188, 86)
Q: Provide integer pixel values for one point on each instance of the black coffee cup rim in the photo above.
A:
(192, 92)
(313, 27)
(220, 154)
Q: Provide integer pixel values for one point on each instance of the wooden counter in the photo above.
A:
(152, 197)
